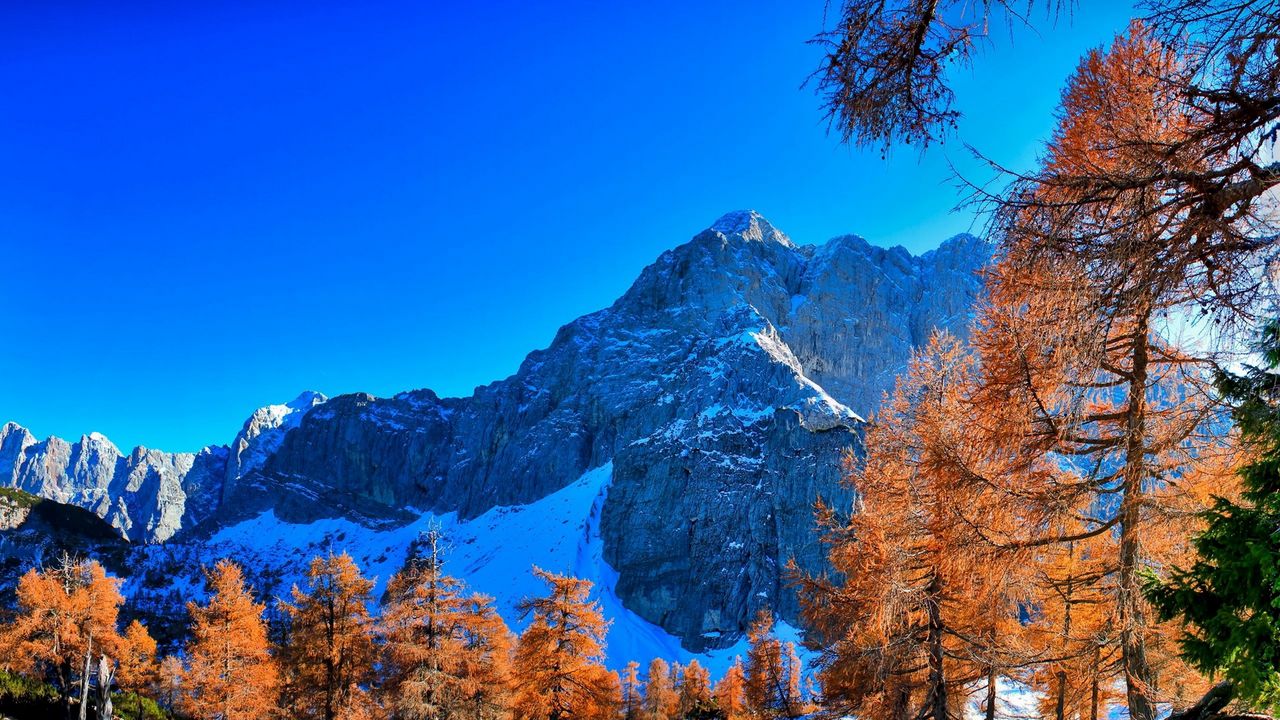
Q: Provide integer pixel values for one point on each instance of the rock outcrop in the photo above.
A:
(724, 387)
(147, 495)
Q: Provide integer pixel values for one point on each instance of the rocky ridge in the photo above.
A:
(723, 387)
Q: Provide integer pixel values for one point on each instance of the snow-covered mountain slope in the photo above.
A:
(721, 389)
(493, 553)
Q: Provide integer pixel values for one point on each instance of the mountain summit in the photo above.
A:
(750, 225)
(698, 418)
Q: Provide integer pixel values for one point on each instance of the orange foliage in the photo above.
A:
(65, 626)
(559, 655)
(1110, 407)
(661, 700)
(927, 612)
(329, 654)
(632, 692)
(772, 685)
(230, 673)
(138, 671)
(730, 693)
(695, 688)
(446, 655)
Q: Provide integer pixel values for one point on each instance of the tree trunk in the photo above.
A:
(1095, 700)
(1138, 680)
(1061, 711)
(991, 693)
(64, 688)
(936, 701)
(84, 679)
(105, 674)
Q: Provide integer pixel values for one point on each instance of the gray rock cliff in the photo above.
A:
(724, 386)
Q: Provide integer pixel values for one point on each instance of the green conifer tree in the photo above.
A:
(1230, 597)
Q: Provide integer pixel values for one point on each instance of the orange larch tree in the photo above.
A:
(230, 673)
(66, 628)
(559, 656)
(138, 670)
(924, 610)
(488, 646)
(168, 686)
(772, 684)
(329, 655)
(444, 655)
(695, 689)
(632, 692)
(1091, 328)
(661, 700)
(730, 692)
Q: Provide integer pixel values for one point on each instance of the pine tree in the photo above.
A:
(661, 701)
(230, 673)
(559, 655)
(330, 648)
(444, 655)
(1229, 598)
(730, 692)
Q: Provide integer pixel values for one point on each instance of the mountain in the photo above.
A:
(35, 531)
(695, 420)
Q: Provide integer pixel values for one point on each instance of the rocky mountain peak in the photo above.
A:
(720, 393)
(751, 226)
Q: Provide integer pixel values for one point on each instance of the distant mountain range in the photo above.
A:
(670, 446)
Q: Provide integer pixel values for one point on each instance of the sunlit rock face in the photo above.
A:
(724, 386)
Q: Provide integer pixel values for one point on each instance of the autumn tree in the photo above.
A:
(884, 74)
(772, 678)
(445, 655)
(885, 78)
(730, 692)
(661, 700)
(230, 673)
(330, 652)
(168, 686)
(559, 655)
(488, 646)
(632, 692)
(138, 668)
(66, 627)
(1072, 627)
(923, 608)
(1094, 290)
(695, 689)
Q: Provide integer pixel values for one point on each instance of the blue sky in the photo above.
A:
(208, 209)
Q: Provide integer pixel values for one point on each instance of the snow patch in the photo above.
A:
(492, 553)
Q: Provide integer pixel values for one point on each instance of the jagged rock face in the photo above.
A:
(140, 494)
(720, 385)
(261, 436)
(724, 386)
(147, 495)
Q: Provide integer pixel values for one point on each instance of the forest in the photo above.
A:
(435, 650)
(1076, 503)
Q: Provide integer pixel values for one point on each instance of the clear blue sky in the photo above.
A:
(204, 210)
